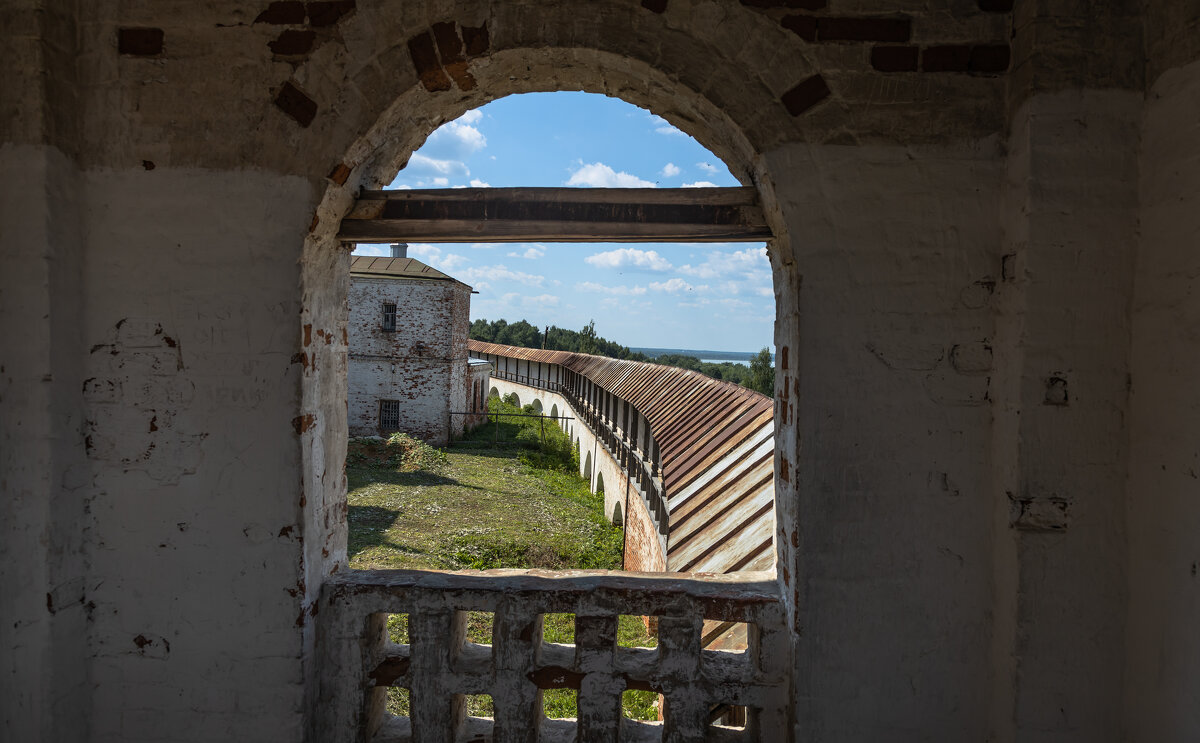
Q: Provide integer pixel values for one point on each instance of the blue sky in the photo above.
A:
(711, 296)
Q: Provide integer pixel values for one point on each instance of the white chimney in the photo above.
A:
(399, 250)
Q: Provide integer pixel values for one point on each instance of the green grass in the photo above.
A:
(478, 505)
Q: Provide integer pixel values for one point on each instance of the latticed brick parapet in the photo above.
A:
(439, 667)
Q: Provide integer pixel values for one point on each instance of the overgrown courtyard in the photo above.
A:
(506, 496)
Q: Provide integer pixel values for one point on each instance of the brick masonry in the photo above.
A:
(423, 364)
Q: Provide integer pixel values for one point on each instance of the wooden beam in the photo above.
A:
(557, 215)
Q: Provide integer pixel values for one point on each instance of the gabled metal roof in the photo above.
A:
(401, 268)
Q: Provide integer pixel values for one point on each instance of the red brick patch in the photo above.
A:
(328, 12)
(424, 57)
(477, 40)
(293, 43)
(140, 42)
(295, 103)
(805, 95)
(289, 12)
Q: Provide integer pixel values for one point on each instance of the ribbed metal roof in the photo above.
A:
(406, 268)
(716, 442)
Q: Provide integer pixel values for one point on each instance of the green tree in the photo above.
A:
(762, 373)
(588, 341)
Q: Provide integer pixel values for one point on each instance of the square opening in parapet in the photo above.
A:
(728, 716)
(397, 628)
(560, 704)
(558, 629)
(641, 704)
(479, 627)
(637, 632)
(726, 642)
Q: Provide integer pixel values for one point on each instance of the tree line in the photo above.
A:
(759, 376)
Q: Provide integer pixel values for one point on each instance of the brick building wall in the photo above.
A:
(422, 364)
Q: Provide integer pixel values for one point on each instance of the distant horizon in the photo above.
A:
(703, 354)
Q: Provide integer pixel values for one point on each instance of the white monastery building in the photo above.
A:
(408, 366)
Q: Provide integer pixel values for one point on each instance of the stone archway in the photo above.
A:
(368, 124)
(587, 468)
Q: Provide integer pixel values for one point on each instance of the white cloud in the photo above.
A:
(671, 286)
(624, 291)
(662, 126)
(484, 246)
(434, 256)
(499, 272)
(424, 165)
(441, 182)
(599, 175)
(533, 252)
(541, 300)
(476, 183)
(700, 184)
(764, 291)
(708, 168)
(670, 170)
(629, 258)
(748, 263)
(457, 139)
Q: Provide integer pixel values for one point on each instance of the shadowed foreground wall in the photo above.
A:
(986, 325)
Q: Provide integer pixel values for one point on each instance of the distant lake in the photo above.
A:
(711, 357)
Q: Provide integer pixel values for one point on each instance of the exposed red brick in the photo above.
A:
(805, 95)
(293, 42)
(790, 4)
(804, 26)
(996, 6)
(990, 58)
(948, 58)
(302, 423)
(339, 174)
(655, 6)
(287, 12)
(895, 58)
(140, 42)
(449, 46)
(296, 103)
(783, 361)
(315, 221)
(462, 77)
(864, 29)
(476, 40)
(425, 59)
(328, 12)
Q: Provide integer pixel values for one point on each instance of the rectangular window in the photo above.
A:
(389, 415)
(389, 318)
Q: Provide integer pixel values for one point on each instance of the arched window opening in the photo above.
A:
(670, 435)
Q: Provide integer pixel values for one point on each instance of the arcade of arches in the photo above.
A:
(985, 217)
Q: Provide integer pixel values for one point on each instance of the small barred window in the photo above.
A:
(389, 415)
(389, 318)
